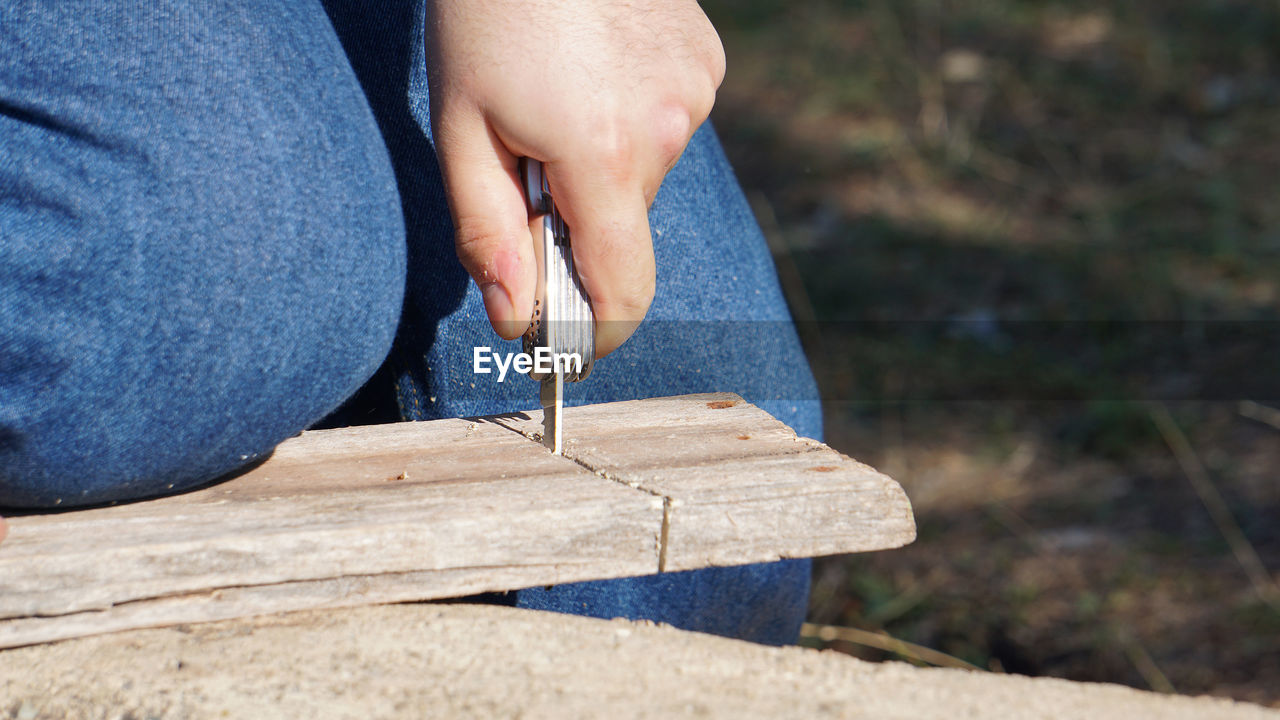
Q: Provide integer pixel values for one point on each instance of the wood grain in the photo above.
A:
(738, 485)
(416, 511)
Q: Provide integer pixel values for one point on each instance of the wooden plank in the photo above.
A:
(417, 511)
(739, 485)
(464, 502)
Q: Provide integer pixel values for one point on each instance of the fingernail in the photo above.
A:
(497, 301)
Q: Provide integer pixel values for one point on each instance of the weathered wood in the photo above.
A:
(738, 485)
(440, 509)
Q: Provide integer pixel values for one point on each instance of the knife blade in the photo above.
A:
(551, 396)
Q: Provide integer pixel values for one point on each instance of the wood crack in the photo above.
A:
(667, 501)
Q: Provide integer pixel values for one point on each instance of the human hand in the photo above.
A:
(606, 94)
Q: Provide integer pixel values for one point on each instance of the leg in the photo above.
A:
(203, 247)
(719, 322)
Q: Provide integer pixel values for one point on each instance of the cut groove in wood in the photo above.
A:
(731, 501)
(666, 535)
(417, 511)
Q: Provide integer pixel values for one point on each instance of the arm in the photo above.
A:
(607, 95)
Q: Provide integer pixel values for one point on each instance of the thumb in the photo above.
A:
(491, 222)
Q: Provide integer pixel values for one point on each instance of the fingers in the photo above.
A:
(608, 111)
(604, 191)
(4, 529)
(606, 211)
(491, 223)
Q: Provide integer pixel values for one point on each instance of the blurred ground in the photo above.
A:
(1016, 234)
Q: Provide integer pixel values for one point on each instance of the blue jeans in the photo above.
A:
(218, 220)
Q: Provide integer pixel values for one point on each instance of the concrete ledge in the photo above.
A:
(438, 660)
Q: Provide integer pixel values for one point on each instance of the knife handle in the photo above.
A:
(563, 321)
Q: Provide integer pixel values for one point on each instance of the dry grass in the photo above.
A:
(1014, 231)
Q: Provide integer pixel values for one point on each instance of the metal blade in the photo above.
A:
(551, 393)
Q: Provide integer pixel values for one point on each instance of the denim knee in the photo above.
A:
(158, 396)
(202, 244)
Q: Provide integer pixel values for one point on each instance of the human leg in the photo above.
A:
(202, 243)
(221, 337)
(718, 322)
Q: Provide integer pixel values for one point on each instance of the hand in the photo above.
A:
(4, 529)
(606, 94)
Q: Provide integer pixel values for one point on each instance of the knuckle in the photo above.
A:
(475, 241)
(673, 127)
(631, 305)
(705, 97)
(647, 291)
(633, 300)
(706, 46)
(717, 64)
(636, 304)
(613, 148)
(621, 278)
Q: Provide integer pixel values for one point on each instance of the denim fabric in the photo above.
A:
(718, 322)
(201, 246)
(203, 235)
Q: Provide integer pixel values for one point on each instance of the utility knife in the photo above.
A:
(562, 333)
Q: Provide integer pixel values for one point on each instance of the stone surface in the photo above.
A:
(438, 660)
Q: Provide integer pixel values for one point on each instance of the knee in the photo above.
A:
(135, 417)
(232, 273)
(121, 381)
(138, 426)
